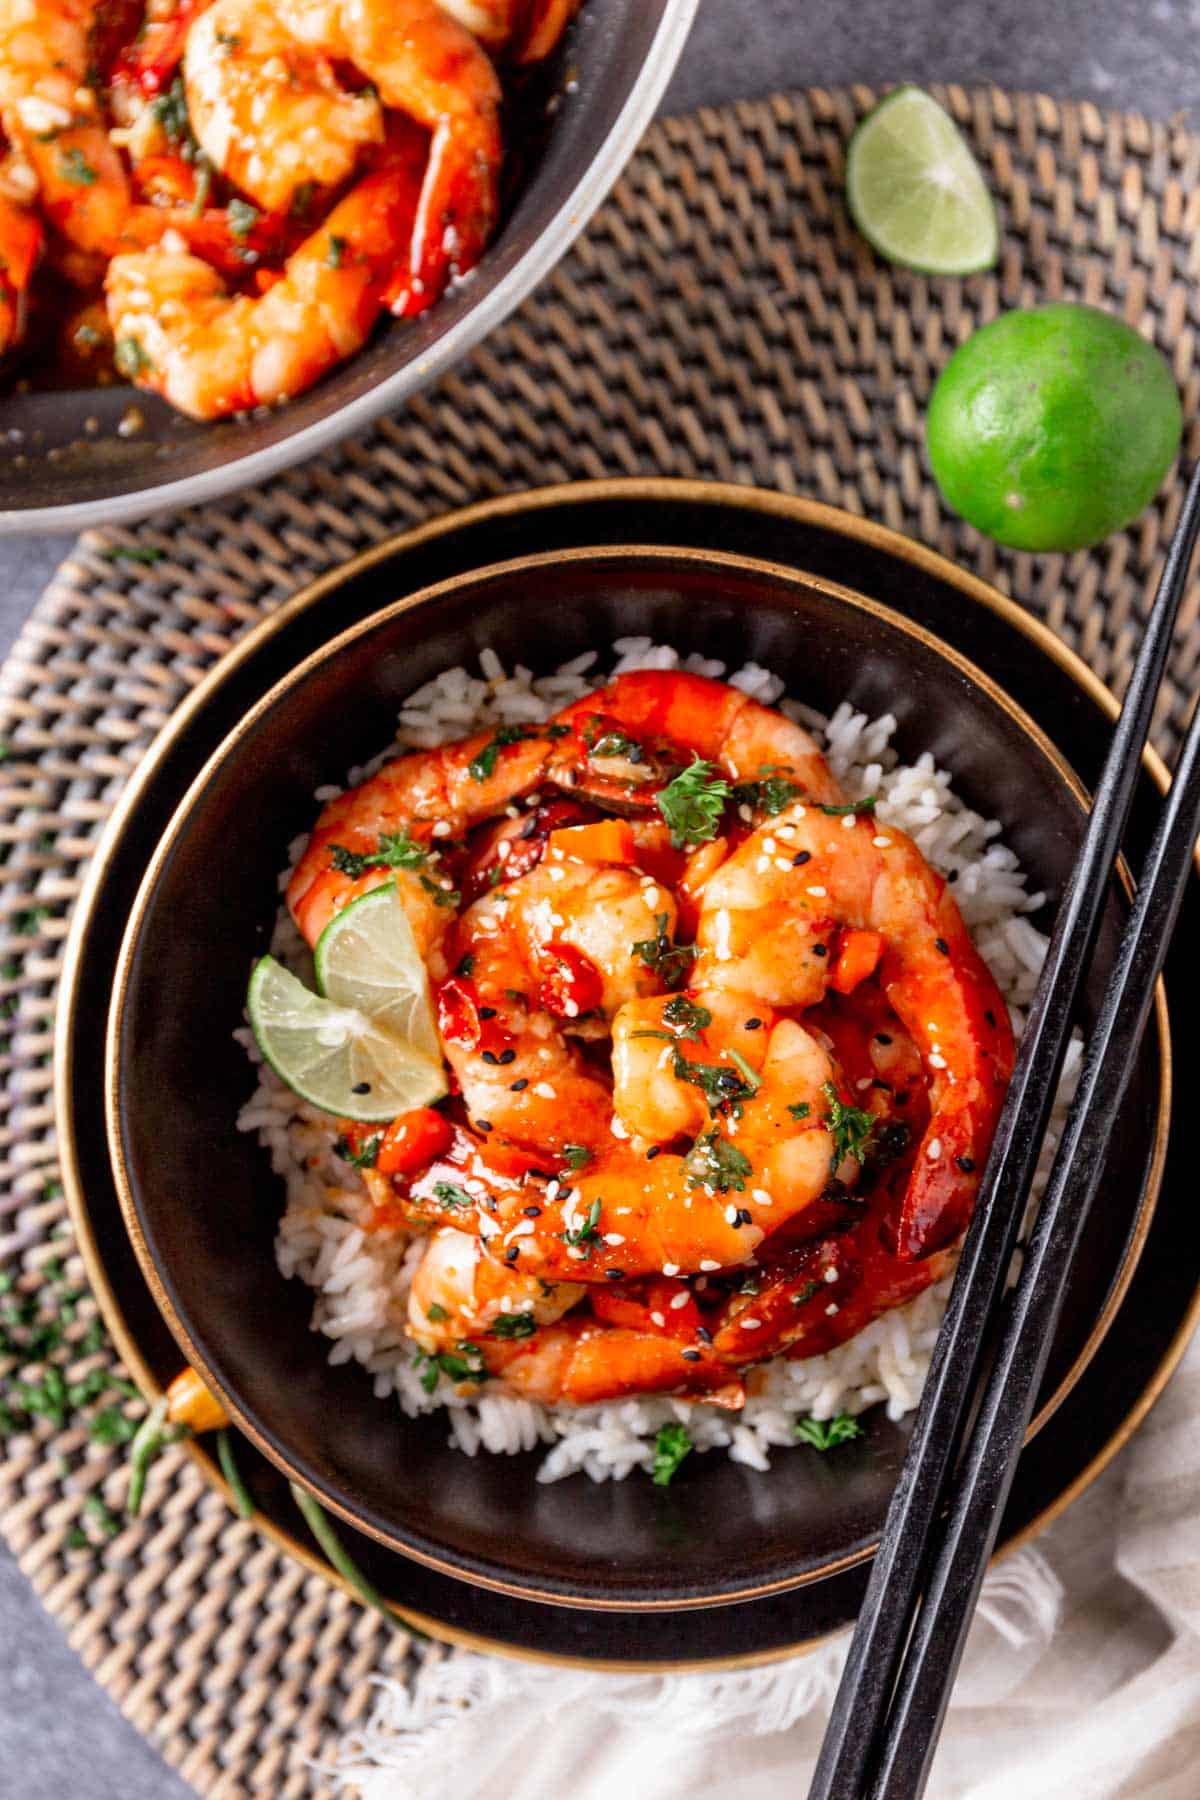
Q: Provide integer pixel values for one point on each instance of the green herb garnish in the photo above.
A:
(583, 1235)
(152, 1436)
(720, 1085)
(135, 553)
(366, 1156)
(852, 1128)
(771, 796)
(463, 1363)
(514, 1325)
(447, 1194)
(335, 252)
(615, 743)
(318, 1523)
(866, 805)
(242, 217)
(396, 851)
(671, 1445)
(800, 1109)
(436, 1314)
(441, 896)
(827, 1434)
(243, 1500)
(576, 1156)
(692, 804)
(74, 167)
(130, 358)
(484, 762)
(670, 962)
(714, 1163)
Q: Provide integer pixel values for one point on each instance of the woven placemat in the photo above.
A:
(720, 319)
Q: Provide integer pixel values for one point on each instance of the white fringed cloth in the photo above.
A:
(1081, 1681)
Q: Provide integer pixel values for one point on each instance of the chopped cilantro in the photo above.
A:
(135, 553)
(720, 1085)
(671, 1445)
(670, 962)
(827, 1434)
(130, 358)
(803, 1294)
(463, 1363)
(770, 796)
(714, 1163)
(447, 1194)
(692, 804)
(242, 217)
(75, 168)
(866, 805)
(484, 762)
(615, 743)
(441, 896)
(576, 1156)
(851, 1127)
(112, 1427)
(437, 1315)
(366, 1156)
(170, 110)
(396, 851)
(302, 198)
(514, 1325)
(583, 1235)
(335, 252)
(800, 1109)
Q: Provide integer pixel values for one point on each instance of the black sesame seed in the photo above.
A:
(690, 1355)
(532, 1212)
(703, 1334)
(518, 1087)
(881, 1037)
(745, 1216)
(487, 1012)
(753, 1024)
(965, 1163)
(511, 1254)
(507, 1056)
(942, 945)
(990, 1016)
(483, 1124)
(653, 1151)
(952, 876)
(884, 1086)
(902, 1099)
(801, 857)
(820, 950)
(490, 1057)
(615, 1274)
(361, 1087)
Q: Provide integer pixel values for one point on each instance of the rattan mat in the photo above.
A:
(720, 319)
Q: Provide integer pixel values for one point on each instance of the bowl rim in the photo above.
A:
(616, 555)
(548, 248)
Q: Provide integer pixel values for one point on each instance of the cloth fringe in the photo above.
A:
(442, 1731)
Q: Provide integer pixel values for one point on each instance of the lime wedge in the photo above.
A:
(336, 1057)
(915, 191)
(367, 958)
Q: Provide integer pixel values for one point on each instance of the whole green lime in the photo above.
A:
(1049, 429)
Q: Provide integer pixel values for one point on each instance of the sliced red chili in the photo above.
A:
(571, 983)
(412, 1141)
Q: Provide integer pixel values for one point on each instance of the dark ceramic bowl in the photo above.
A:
(202, 1205)
(583, 115)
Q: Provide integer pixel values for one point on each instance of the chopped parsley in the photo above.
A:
(692, 804)
(576, 1156)
(714, 1163)
(852, 1128)
(449, 1195)
(242, 217)
(671, 1445)
(866, 805)
(74, 167)
(367, 1154)
(770, 796)
(800, 1109)
(827, 1434)
(135, 553)
(583, 1236)
(688, 1019)
(483, 763)
(464, 1363)
(514, 1325)
(720, 1085)
(803, 1294)
(615, 743)
(441, 896)
(436, 1314)
(170, 110)
(396, 851)
(303, 195)
(335, 252)
(131, 359)
(670, 962)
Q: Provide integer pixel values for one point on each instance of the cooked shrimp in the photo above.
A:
(524, 31)
(268, 111)
(180, 333)
(581, 1360)
(51, 117)
(458, 1292)
(627, 735)
(20, 248)
(773, 917)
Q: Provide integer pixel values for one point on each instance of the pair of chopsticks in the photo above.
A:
(946, 1511)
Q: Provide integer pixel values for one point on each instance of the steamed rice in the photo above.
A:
(361, 1279)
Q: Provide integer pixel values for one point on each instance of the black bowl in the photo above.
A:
(202, 1205)
(582, 115)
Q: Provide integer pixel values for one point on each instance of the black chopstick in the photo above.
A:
(864, 1694)
(982, 1484)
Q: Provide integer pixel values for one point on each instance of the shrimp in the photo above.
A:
(582, 1361)
(266, 108)
(525, 30)
(458, 1292)
(627, 735)
(181, 334)
(774, 917)
(51, 117)
(20, 248)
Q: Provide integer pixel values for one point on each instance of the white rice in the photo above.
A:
(361, 1279)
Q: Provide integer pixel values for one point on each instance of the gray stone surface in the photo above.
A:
(58, 1733)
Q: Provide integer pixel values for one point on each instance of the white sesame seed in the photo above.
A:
(863, 1082)
(818, 893)
(709, 1266)
(849, 821)
(679, 1300)
(441, 829)
(750, 1324)
(731, 1215)
(487, 1227)
(760, 1197)
(936, 1061)
(799, 812)
(503, 849)
(781, 862)
(881, 843)
(934, 1149)
(576, 1254)
(571, 1009)
(556, 874)
(544, 1091)
(618, 1130)
(762, 865)
(831, 1274)
(651, 896)
(610, 1237)
(659, 1319)
(745, 814)
(525, 1229)
(832, 1310)
(510, 812)
(769, 845)
(553, 1189)
(670, 1269)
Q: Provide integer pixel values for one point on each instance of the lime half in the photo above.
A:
(367, 958)
(336, 1057)
(915, 191)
